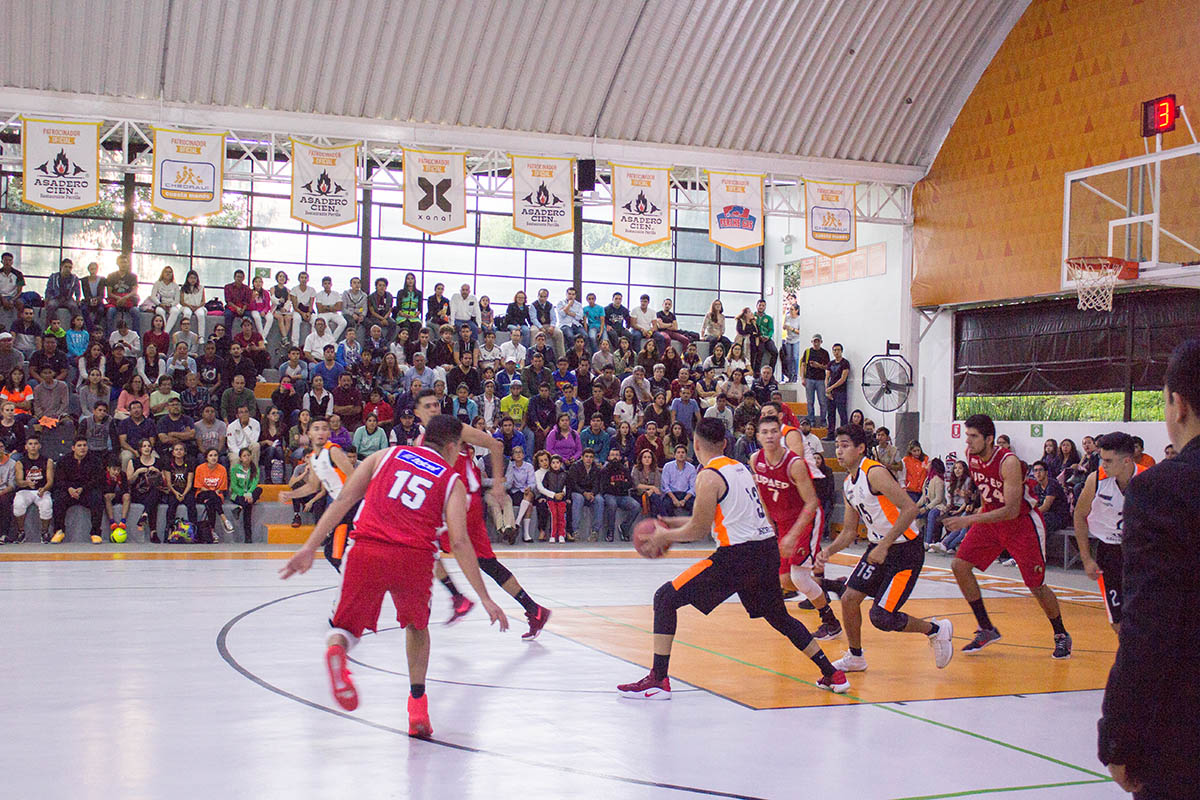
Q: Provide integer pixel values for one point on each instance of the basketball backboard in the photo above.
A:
(1144, 209)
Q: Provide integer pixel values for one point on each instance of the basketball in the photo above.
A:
(641, 536)
(118, 534)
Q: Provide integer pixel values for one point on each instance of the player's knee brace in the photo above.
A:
(808, 586)
(886, 620)
(494, 570)
(665, 605)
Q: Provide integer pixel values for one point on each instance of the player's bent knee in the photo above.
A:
(665, 597)
(886, 620)
(805, 583)
(494, 570)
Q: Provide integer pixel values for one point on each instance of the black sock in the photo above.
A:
(827, 615)
(981, 615)
(417, 690)
(1056, 623)
(935, 627)
(449, 584)
(661, 665)
(526, 601)
(837, 587)
(822, 661)
(856, 651)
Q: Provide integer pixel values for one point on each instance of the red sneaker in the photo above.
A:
(836, 683)
(536, 623)
(462, 607)
(419, 725)
(339, 677)
(650, 687)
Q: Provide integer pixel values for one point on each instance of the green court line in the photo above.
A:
(848, 696)
(975, 792)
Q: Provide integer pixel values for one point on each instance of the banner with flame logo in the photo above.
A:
(641, 204)
(829, 217)
(324, 184)
(189, 169)
(61, 164)
(435, 191)
(542, 194)
(735, 210)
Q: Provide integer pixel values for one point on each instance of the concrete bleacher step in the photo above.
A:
(286, 534)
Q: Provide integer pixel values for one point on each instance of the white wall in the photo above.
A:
(861, 314)
(938, 439)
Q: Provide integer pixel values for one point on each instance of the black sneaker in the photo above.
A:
(20, 537)
(788, 594)
(984, 637)
(296, 520)
(1062, 646)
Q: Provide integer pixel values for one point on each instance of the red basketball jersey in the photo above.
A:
(406, 499)
(775, 487)
(990, 482)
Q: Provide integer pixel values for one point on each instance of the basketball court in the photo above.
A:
(220, 687)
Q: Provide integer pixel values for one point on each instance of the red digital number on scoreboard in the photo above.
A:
(1158, 115)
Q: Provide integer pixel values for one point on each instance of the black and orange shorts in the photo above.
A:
(891, 582)
(750, 570)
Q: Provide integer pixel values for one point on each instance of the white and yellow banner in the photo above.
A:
(735, 210)
(435, 191)
(189, 169)
(61, 164)
(829, 217)
(324, 184)
(641, 204)
(542, 195)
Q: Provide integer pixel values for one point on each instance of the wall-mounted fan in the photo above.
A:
(887, 379)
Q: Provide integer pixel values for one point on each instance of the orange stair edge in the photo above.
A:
(263, 390)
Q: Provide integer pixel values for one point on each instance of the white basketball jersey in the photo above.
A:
(332, 478)
(874, 510)
(1106, 520)
(740, 516)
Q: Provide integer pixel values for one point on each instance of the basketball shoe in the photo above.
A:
(536, 623)
(419, 726)
(339, 677)
(650, 687)
(462, 606)
(835, 683)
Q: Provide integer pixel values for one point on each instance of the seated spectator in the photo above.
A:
(151, 366)
(369, 438)
(144, 475)
(347, 401)
(339, 434)
(747, 444)
(50, 400)
(174, 428)
(49, 354)
(212, 487)
(298, 442)
(317, 401)
(933, 494)
(18, 391)
(244, 490)
(157, 336)
(515, 405)
(658, 413)
(1052, 499)
(521, 485)
(314, 343)
(272, 442)
(1140, 456)
(684, 410)
(961, 498)
(406, 430)
(243, 433)
(253, 346)
(161, 397)
(99, 428)
(569, 404)
(765, 385)
(678, 437)
(618, 488)
(510, 436)
(187, 337)
(586, 487)
(134, 391)
(650, 440)
(239, 364)
(563, 440)
(235, 397)
(211, 368)
(647, 482)
(77, 482)
(180, 364)
(26, 334)
(488, 404)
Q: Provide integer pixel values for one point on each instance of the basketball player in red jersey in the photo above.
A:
(787, 493)
(1008, 520)
(427, 408)
(408, 494)
(793, 438)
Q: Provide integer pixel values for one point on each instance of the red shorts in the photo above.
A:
(372, 570)
(807, 547)
(476, 529)
(1021, 537)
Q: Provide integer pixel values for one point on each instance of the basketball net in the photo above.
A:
(1095, 278)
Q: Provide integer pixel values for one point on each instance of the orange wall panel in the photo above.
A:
(1063, 92)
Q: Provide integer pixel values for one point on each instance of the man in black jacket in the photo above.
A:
(586, 487)
(1149, 728)
(618, 497)
(77, 483)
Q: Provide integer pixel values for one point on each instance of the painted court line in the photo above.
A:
(975, 792)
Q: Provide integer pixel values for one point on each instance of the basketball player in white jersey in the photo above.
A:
(745, 563)
(1100, 511)
(889, 568)
(329, 467)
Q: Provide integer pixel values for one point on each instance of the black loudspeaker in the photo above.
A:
(587, 174)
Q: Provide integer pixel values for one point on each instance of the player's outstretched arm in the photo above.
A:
(883, 482)
(464, 551)
(788, 539)
(709, 486)
(1083, 507)
(354, 490)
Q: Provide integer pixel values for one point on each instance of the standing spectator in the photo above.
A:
(92, 289)
(766, 352)
(837, 374)
(1148, 732)
(238, 298)
(545, 318)
(63, 290)
(409, 303)
(618, 488)
(303, 297)
(712, 329)
(814, 363)
(678, 485)
(553, 485)
(571, 322)
(916, 470)
(791, 345)
(437, 307)
(121, 292)
(163, 300)
(77, 482)
(586, 487)
(1052, 499)
(617, 323)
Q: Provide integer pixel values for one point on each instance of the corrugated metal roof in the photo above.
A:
(809, 78)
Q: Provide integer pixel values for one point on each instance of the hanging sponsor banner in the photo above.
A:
(829, 217)
(735, 210)
(61, 162)
(324, 184)
(189, 169)
(542, 195)
(435, 191)
(641, 204)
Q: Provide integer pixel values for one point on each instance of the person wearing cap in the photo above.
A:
(10, 359)
(515, 405)
(506, 376)
(489, 406)
(813, 365)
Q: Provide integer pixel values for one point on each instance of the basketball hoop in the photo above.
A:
(1096, 276)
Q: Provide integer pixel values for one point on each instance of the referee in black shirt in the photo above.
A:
(1150, 723)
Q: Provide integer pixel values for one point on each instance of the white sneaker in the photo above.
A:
(851, 663)
(228, 526)
(943, 647)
